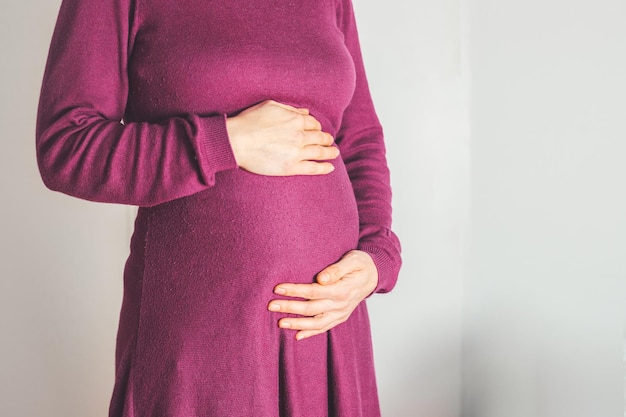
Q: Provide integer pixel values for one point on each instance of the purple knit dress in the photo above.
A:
(132, 111)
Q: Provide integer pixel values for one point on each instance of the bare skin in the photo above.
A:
(328, 302)
(276, 139)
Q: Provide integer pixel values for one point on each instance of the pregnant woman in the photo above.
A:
(245, 132)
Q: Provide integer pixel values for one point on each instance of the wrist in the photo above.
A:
(233, 129)
(370, 266)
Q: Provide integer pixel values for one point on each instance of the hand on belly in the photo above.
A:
(276, 139)
(339, 289)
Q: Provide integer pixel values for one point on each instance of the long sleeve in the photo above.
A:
(360, 140)
(85, 149)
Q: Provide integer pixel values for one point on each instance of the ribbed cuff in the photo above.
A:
(213, 149)
(386, 265)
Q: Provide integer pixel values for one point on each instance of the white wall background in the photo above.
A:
(546, 289)
(536, 291)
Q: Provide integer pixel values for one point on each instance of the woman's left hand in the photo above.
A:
(328, 302)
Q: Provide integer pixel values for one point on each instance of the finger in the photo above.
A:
(319, 153)
(313, 168)
(311, 123)
(317, 137)
(321, 322)
(333, 273)
(312, 291)
(308, 308)
(305, 334)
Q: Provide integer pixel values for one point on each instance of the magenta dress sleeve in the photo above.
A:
(360, 140)
(85, 149)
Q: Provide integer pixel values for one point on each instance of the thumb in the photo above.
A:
(333, 273)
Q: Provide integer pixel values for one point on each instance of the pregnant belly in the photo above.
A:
(254, 230)
(202, 271)
(203, 268)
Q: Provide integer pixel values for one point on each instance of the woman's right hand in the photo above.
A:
(276, 139)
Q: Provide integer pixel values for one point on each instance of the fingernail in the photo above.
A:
(280, 290)
(325, 277)
(274, 307)
(285, 324)
(299, 337)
